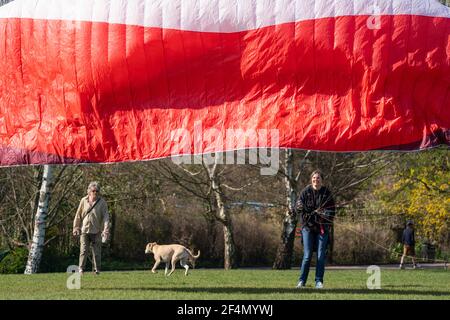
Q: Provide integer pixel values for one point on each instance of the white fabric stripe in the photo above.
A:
(214, 15)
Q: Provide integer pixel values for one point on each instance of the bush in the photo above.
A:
(363, 243)
(256, 240)
(15, 261)
(3, 254)
(395, 252)
(54, 261)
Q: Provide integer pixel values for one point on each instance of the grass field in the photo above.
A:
(227, 285)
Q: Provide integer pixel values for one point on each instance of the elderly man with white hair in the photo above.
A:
(91, 223)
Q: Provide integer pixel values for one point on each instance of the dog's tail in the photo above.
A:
(198, 255)
(194, 258)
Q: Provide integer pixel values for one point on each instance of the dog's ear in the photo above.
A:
(147, 248)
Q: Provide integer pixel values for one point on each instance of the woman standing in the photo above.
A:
(316, 208)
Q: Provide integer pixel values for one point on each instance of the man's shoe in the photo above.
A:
(96, 272)
(401, 267)
(300, 284)
(80, 272)
(319, 285)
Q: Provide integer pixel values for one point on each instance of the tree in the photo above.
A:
(285, 248)
(417, 187)
(223, 216)
(37, 244)
(345, 174)
(211, 183)
(26, 219)
(206, 185)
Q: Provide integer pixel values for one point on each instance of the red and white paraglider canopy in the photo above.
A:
(112, 80)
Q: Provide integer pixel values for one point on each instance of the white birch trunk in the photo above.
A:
(290, 218)
(285, 248)
(37, 244)
(229, 247)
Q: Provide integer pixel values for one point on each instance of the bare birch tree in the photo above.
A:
(40, 221)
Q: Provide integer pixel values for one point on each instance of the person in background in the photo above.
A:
(316, 208)
(409, 243)
(91, 224)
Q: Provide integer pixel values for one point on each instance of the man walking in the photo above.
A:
(409, 243)
(91, 223)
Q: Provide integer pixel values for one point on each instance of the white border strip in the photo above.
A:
(214, 15)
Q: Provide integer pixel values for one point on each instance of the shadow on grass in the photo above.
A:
(264, 291)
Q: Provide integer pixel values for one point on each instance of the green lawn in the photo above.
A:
(226, 285)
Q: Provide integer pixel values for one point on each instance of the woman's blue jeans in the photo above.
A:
(309, 239)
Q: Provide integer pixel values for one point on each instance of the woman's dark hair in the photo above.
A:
(316, 172)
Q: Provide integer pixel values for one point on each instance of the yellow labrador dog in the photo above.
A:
(171, 253)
